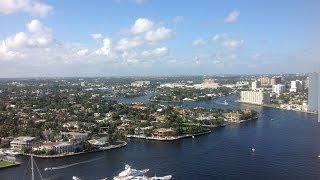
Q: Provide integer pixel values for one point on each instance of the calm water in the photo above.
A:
(286, 148)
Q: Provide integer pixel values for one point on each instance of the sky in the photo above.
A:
(57, 38)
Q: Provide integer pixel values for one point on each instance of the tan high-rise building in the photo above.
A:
(265, 81)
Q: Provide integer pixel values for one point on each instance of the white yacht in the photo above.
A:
(253, 149)
(75, 178)
(134, 174)
(130, 173)
(11, 152)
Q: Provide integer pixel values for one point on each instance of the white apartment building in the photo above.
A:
(296, 86)
(279, 88)
(254, 97)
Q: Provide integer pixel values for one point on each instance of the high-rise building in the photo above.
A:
(276, 80)
(255, 85)
(296, 86)
(313, 92)
(306, 83)
(254, 97)
(265, 81)
(279, 88)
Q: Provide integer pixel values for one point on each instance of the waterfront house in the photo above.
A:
(232, 116)
(77, 136)
(61, 147)
(104, 141)
(124, 126)
(23, 142)
(163, 133)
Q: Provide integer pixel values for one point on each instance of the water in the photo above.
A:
(285, 148)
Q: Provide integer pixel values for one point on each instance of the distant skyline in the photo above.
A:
(157, 37)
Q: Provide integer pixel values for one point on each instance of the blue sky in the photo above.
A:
(157, 37)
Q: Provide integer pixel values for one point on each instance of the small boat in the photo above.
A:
(225, 102)
(75, 178)
(48, 169)
(192, 137)
(318, 156)
(11, 153)
(253, 149)
(271, 119)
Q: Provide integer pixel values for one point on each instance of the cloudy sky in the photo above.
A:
(157, 37)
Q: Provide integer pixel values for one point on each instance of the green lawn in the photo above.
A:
(4, 163)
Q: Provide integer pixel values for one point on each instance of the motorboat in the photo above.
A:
(134, 174)
(130, 173)
(11, 153)
(75, 178)
(225, 102)
(253, 149)
(48, 169)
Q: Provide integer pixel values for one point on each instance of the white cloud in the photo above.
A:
(217, 62)
(232, 43)
(96, 36)
(138, 1)
(199, 42)
(228, 41)
(106, 48)
(38, 35)
(38, 45)
(219, 37)
(158, 34)
(144, 31)
(232, 17)
(132, 61)
(83, 52)
(32, 7)
(6, 54)
(158, 52)
(131, 1)
(125, 44)
(142, 25)
(178, 19)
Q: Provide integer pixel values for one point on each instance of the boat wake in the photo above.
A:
(70, 165)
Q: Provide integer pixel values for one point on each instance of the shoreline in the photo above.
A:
(14, 164)
(168, 138)
(123, 144)
(277, 107)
